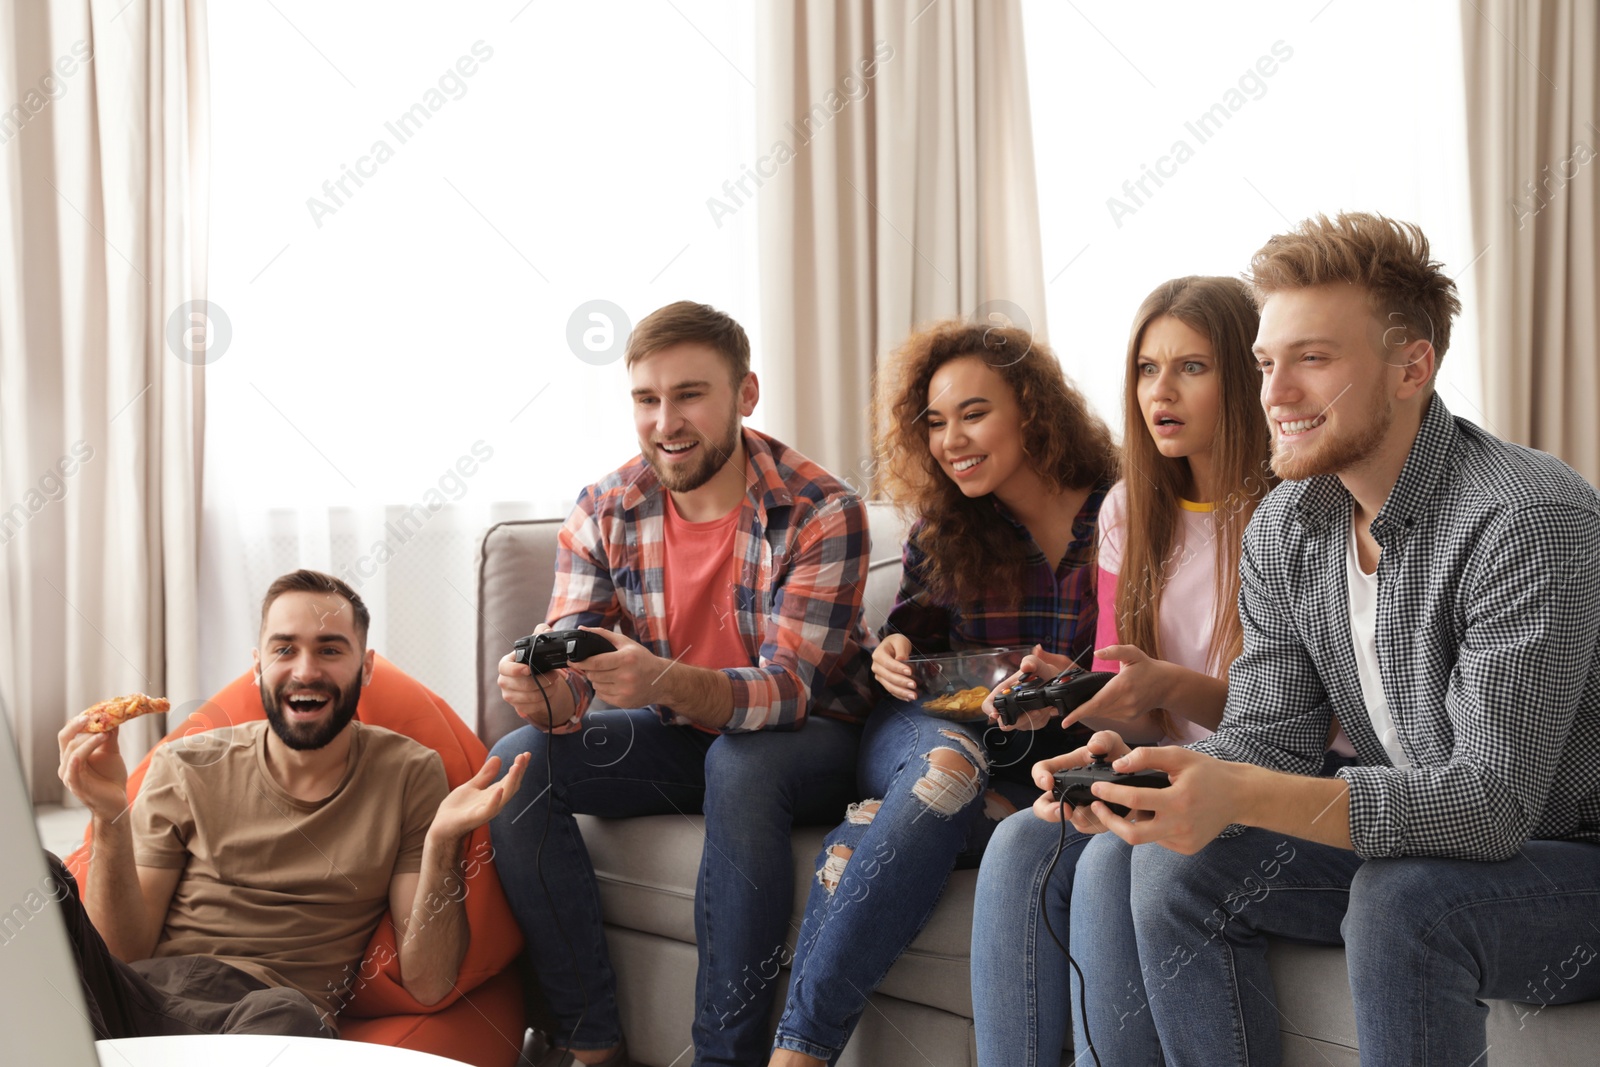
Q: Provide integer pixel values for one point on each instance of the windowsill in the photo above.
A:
(60, 828)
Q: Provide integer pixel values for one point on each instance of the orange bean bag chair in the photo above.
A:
(481, 1023)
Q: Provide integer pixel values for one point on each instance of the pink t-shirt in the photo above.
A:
(1187, 602)
(1185, 624)
(698, 579)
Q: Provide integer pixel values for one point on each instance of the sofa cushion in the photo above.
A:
(647, 868)
(883, 573)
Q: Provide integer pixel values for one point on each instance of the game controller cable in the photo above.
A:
(538, 856)
(1044, 913)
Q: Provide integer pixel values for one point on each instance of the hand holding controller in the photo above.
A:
(1073, 785)
(1065, 692)
(1019, 698)
(554, 649)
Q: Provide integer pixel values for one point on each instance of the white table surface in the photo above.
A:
(257, 1050)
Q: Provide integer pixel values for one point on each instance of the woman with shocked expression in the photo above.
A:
(997, 459)
(1195, 465)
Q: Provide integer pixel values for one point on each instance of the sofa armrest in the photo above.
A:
(516, 572)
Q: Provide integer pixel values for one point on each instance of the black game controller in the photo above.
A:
(1065, 692)
(1073, 785)
(556, 648)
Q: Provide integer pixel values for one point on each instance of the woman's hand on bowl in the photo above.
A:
(890, 668)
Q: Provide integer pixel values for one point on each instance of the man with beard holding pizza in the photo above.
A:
(250, 872)
(732, 567)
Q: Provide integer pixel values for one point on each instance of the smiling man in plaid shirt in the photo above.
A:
(1436, 590)
(734, 567)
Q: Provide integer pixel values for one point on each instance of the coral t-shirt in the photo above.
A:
(698, 581)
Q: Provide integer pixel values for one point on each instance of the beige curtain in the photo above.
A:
(895, 186)
(103, 175)
(1533, 132)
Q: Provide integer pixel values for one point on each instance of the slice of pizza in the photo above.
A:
(110, 714)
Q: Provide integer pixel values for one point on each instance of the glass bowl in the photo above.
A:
(953, 686)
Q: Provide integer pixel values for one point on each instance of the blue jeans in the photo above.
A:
(1019, 974)
(752, 788)
(882, 870)
(1426, 940)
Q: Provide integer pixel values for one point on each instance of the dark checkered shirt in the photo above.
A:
(1488, 616)
(1056, 607)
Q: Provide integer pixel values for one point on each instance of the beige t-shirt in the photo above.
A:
(283, 889)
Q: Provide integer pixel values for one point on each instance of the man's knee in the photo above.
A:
(1390, 899)
(1207, 887)
(748, 773)
(523, 739)
(535, 782)
(279, 1011)
(744, 758)
(62, 883)
(772, 778)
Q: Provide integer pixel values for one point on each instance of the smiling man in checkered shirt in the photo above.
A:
(734, 567)
(1436, 590)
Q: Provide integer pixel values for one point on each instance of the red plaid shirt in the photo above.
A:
(802, 549)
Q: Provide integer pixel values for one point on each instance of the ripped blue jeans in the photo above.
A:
(883, 869)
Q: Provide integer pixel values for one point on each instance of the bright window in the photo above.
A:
(1174, 138)
(409, 204)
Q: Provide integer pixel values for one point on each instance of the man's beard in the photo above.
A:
(687, 477)
(307, 737)
(1335, 454)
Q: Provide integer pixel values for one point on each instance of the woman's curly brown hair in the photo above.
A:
(969, 551)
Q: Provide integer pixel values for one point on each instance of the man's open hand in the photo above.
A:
(476, 801)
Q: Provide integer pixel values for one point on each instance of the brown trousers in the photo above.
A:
(178, 994)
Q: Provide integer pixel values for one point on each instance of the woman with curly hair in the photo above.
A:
(1195, 465)
(998, 459)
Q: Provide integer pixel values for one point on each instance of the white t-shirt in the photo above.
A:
(1364, 637)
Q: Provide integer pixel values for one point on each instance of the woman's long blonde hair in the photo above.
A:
(1220, 309)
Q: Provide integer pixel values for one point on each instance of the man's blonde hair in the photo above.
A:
(1408, 289)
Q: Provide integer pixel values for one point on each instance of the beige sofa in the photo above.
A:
(922, 1014)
